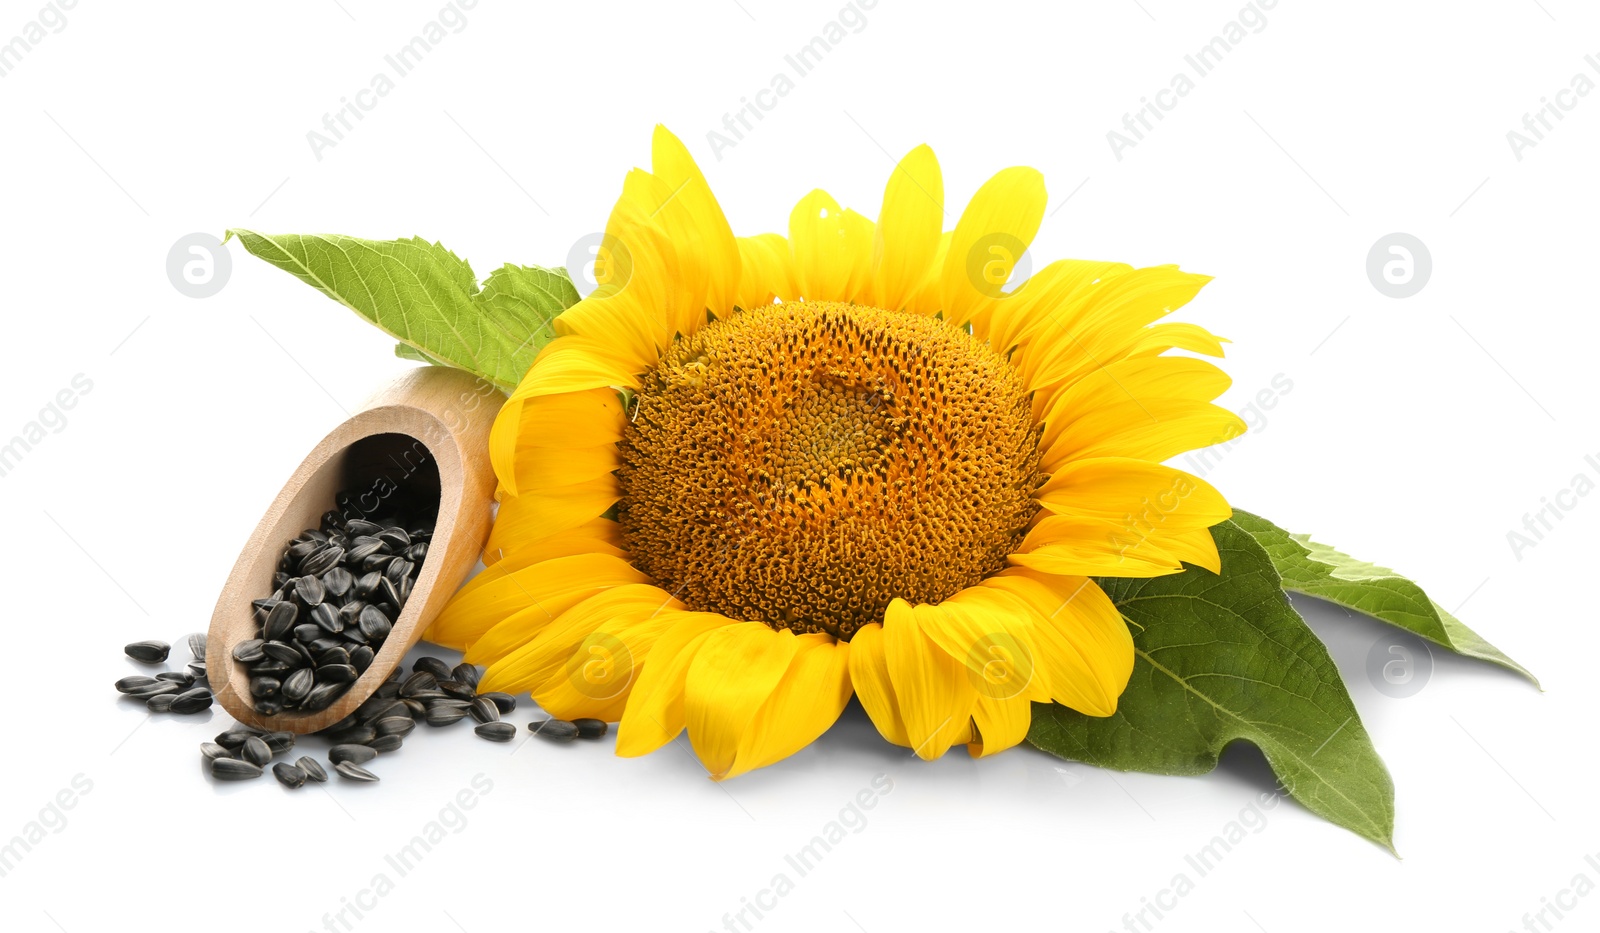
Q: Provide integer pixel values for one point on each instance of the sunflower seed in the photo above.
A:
(361, 658)
(355, 772)
(308, 591)
(269, 706)
(444, 715)
(306, 633)
(160, 703)
(279, 742)
(456, 690)
(249, 651)
(390, 594)
(327, 618)
(395, 725)
(415, 707)
(197, 646)
(497, 731)
(558, 730)
(395, 537)
(263, 688)
(484, 710)
(465, 673)
(272, 668)
(234, 738)
(386, 743)
(323, 560)
(356, 735)
(280, 621)
(505, 701)
(404, 589)
(590, 728)
(181, 678)
(389, 689)
(362, 527)
(434, 666)
(366, 584)
(232, 769)
(255, 750)
(418, 682)
(336, 674)
(321, 697)
(398, 569)
(362, 548)
(337, 582)
(282, 652)
(354, 754)
(374, 624)
(298, 685)
(288, 775)
(129, 684)
(448, 702)
(211, 751)
(416, 553)
(192, 701)
(154, 688)
(148, 652)
(311, 769)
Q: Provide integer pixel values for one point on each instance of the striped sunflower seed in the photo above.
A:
(312, 770)
(505, 701)
(483, 710)
(249, 651)
(496, 731)
(148, 652)
(288, 775)
(197, 700)
(590, 728)
(353, 754)
(233, 769)
(355, 772)
(255, 750)
(386, 743)
(557, 730)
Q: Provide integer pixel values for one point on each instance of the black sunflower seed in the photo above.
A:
(282, 652)
(417, 552)
(255, 750)
(181, 678)
(232, 769)
(197, 646)
(129, 684)
(321, 697)
(497, 731)
(418, 682)
(333, 655)
(160, 703)
(192, 701)
(434, 666)
(391, 595)
(354, 772)
(457, 690)
(444, 715)
(249, 651)
(270, 706)
(361, 658)
(298, 685)
(505, 701)
(279, 742)
(590, 728)
(362, 527)
(272, 668)
(265, 687)
(355, 754)
(386, 743)
(356, 735)
(211, 750)
(395, 725)
(366, 584)
(308, 591)
(484, 710)
(374, 624)
(312, 770)
(323, 560)
(288, 775)
(306, 633)
(337, 582)
(362, 548)
(148, 652)
(465, 673)
(280, 621)
(398, 569)
(336, 674)
(557, 730)
(395, 537)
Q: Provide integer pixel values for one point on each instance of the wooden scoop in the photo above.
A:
(426, 434)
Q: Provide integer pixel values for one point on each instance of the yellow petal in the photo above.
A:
(908, 228)
(1047, 300)
(494, 595)
(1000, 724)
(518, 537)
(576, 419)
(1137, 380)
(634, 335)
(766, 271)
(647, 242)
(711, 242)
(1149, 499)
(1150, 429)
(1085, 648)
(536, 660)
(732, 675)
(655, 710)
(806, 702)
(1196, 547)
(599, 672)
(996, 228)
(990, 638)
(925, 298)
(572, 364)
(933, 688)
(1178, 335)
(1074, 545)
(832, 248)
(869, 675)
(554, 509)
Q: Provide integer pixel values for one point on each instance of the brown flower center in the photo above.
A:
(803, 464)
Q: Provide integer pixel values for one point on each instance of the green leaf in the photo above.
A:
(1222, 658)
(1318, 570)
(428, 298)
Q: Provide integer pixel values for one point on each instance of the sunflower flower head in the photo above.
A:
(755, 476)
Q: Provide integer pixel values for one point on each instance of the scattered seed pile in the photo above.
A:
(434, 693)
(340, 589)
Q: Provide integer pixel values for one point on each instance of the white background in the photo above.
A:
(1417, 434)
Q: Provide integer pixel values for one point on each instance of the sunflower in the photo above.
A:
(754, 476)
